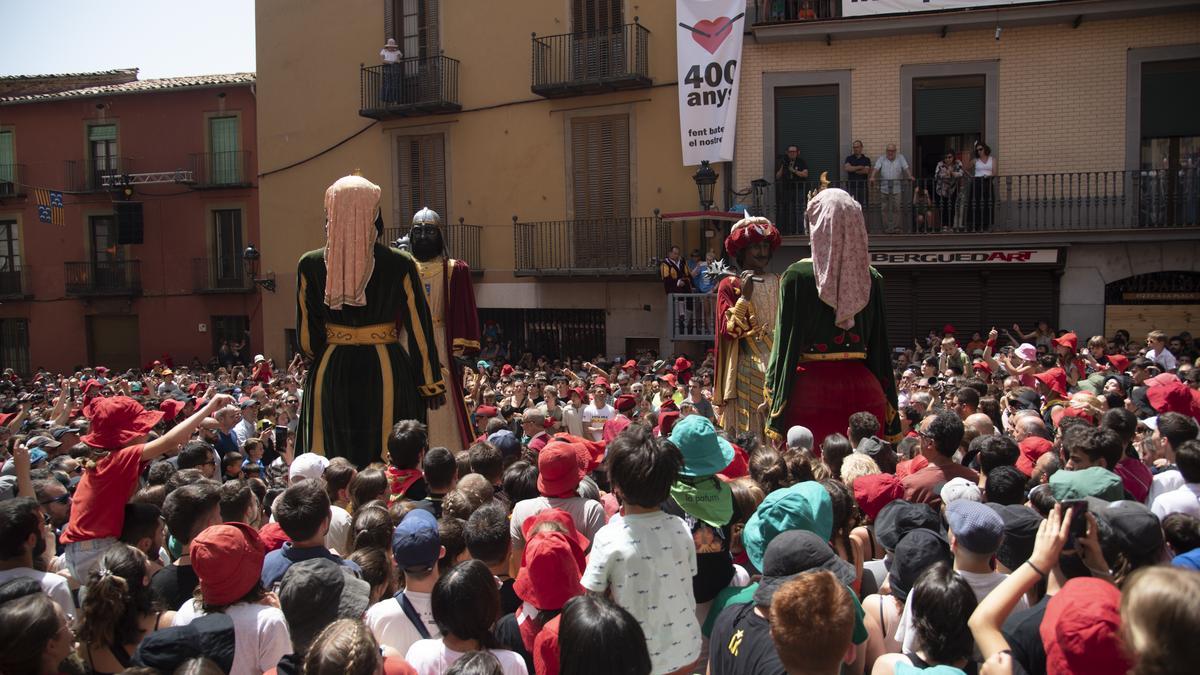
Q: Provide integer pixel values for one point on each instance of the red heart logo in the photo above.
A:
(714, 39)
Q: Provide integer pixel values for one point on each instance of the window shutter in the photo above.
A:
(420, 176)
(223, 145)
(808, 118)
(600, 166)
(7, 170)
(1170, 98)
(102, 132)
(945, 111)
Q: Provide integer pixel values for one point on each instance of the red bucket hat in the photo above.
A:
(1174, 397)
(1031, 448)
(1069, 340)
(559, 470)
(171, 408)
(682, 365)
(1081, 630)
(1055, 379)
(549, 574)
(228, 559)
(117, 421)
(1118, 362)
(666, 422)
(579, 543)
(625, 402)
(751, 231)
(875, 491)
(629, 365)
(669, 378)
(590, 452)
(486, 411)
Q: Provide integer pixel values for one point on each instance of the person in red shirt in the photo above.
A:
(262, 370)
(941, 434)
(120, 427)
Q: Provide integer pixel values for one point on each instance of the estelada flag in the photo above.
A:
(50, 206)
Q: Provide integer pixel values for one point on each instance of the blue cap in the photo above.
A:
(416, 543)
(506, 442)
(975, 526)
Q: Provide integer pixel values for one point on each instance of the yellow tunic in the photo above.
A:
(442, 423)
(742, 367)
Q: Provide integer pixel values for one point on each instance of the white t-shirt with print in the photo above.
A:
(591, 412)
(433, 657)
(260, 634)
(647, 562)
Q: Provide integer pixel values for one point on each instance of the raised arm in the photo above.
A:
(181, 432)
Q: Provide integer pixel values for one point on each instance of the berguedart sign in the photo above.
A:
(870, 7)
(1002, 256)
(708, 42)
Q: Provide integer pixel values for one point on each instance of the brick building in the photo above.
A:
(159, 201)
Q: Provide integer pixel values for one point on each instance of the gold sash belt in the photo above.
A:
(834, 356)
(375, 334)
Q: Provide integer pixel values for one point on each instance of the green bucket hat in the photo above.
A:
(1095, 481)
(704, 452)
(803, 506)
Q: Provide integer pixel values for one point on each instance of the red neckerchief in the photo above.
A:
(399, 480)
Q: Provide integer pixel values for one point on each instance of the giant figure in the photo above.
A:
(830, 357)
(353, 297)
(447, 285)
(746, 309)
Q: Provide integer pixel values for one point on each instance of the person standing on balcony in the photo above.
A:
(890, 171)
(675, 279)
(393, 74)
(790, 176)
(984, 172)
(948, 181)
(858, 168)
(746, 310)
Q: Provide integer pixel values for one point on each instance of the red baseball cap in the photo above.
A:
(1081, 629)
(629, 365)
(874, 491)
(982, 365)
(228, 560)
(549, 574)
(559, 470)
(117, 421)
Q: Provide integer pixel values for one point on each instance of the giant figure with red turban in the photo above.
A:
(746, 309)
(830, 355)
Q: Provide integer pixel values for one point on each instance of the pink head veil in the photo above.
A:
(839, 253)
(350, 206)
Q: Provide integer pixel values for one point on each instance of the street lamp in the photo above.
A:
(251, 257)
(705, 179)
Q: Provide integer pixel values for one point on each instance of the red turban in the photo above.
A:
(751, 231)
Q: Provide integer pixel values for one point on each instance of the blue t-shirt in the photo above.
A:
(277, 562)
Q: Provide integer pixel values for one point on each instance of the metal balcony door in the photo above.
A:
(598, 47)
(224, 167)
(1169, 184)
(107, 268)
(601, 234)
(102, 140)
(227, 265)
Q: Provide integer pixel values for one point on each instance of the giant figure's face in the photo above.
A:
(426, 242)
(755, 257)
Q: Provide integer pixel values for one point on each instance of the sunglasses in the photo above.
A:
(61, 499)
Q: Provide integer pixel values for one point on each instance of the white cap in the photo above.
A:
(1151, 422)
(799, 437)
(259, 357)
(960, 488)
(307, 465)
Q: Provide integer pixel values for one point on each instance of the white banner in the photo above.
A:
(1002, 256)
(870, 7)
(708, 38)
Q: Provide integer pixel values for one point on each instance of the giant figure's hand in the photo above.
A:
(747, 284)
(435, 402)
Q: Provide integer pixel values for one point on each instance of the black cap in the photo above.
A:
(210, 636)
(1020, 530)
(917, 551)
(902, 516)
(315, 593)
(797, 552)
(1135, 528)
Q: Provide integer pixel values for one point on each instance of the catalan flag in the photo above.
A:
(50, 206)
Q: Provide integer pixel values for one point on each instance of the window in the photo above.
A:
(8, 168)
(224, 166)
(14, 345)
(598, 49)
(600, 190)
(227, 266)
(948, 114)
(1170, 152)
(232, 332)
(415, 26)
(10, 258)
(108, 270)
(102, 142)
(420, 176)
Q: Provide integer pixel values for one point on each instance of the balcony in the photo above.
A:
(1082, 201)
(10, 180)
(597, 247)
(221, 169)
(103, 277)
(462, 240)
(588, 63)
(692, 316)
(409, 87)
(220, 275)
(14, 284)
(97, 175)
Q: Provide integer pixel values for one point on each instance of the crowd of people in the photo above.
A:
(1039, 513)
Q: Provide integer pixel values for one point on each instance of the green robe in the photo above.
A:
(355, 393)
(805, 325)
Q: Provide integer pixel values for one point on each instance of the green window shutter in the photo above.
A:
(808, 119)
(946, 111)
(7, 170)
(1170, 98)
(224, 164)
(102, 132)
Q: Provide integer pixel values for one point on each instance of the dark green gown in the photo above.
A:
(349, 385)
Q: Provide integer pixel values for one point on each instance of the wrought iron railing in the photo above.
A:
(214, 275)
(595, 60)
(221, 169)
(10, 179)
(416, 86)
(97, 174)
(103, 277)
(602, 246)
(462, 240)
(789, 11)
(15, 283)
(1042, 202)
(692, 316)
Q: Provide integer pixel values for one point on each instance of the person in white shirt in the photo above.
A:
(596, 413)
(466, 603)
(1171, 430)
(248, 426)
(1186, 497)
(1156, 342)
(888, 172)
(168, 388)
(400, 621)
(21, 531)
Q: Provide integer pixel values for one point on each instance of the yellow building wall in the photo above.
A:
(1061, 90)
(505, 151)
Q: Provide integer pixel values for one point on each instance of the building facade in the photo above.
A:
(1090, 221)
(149, 187)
